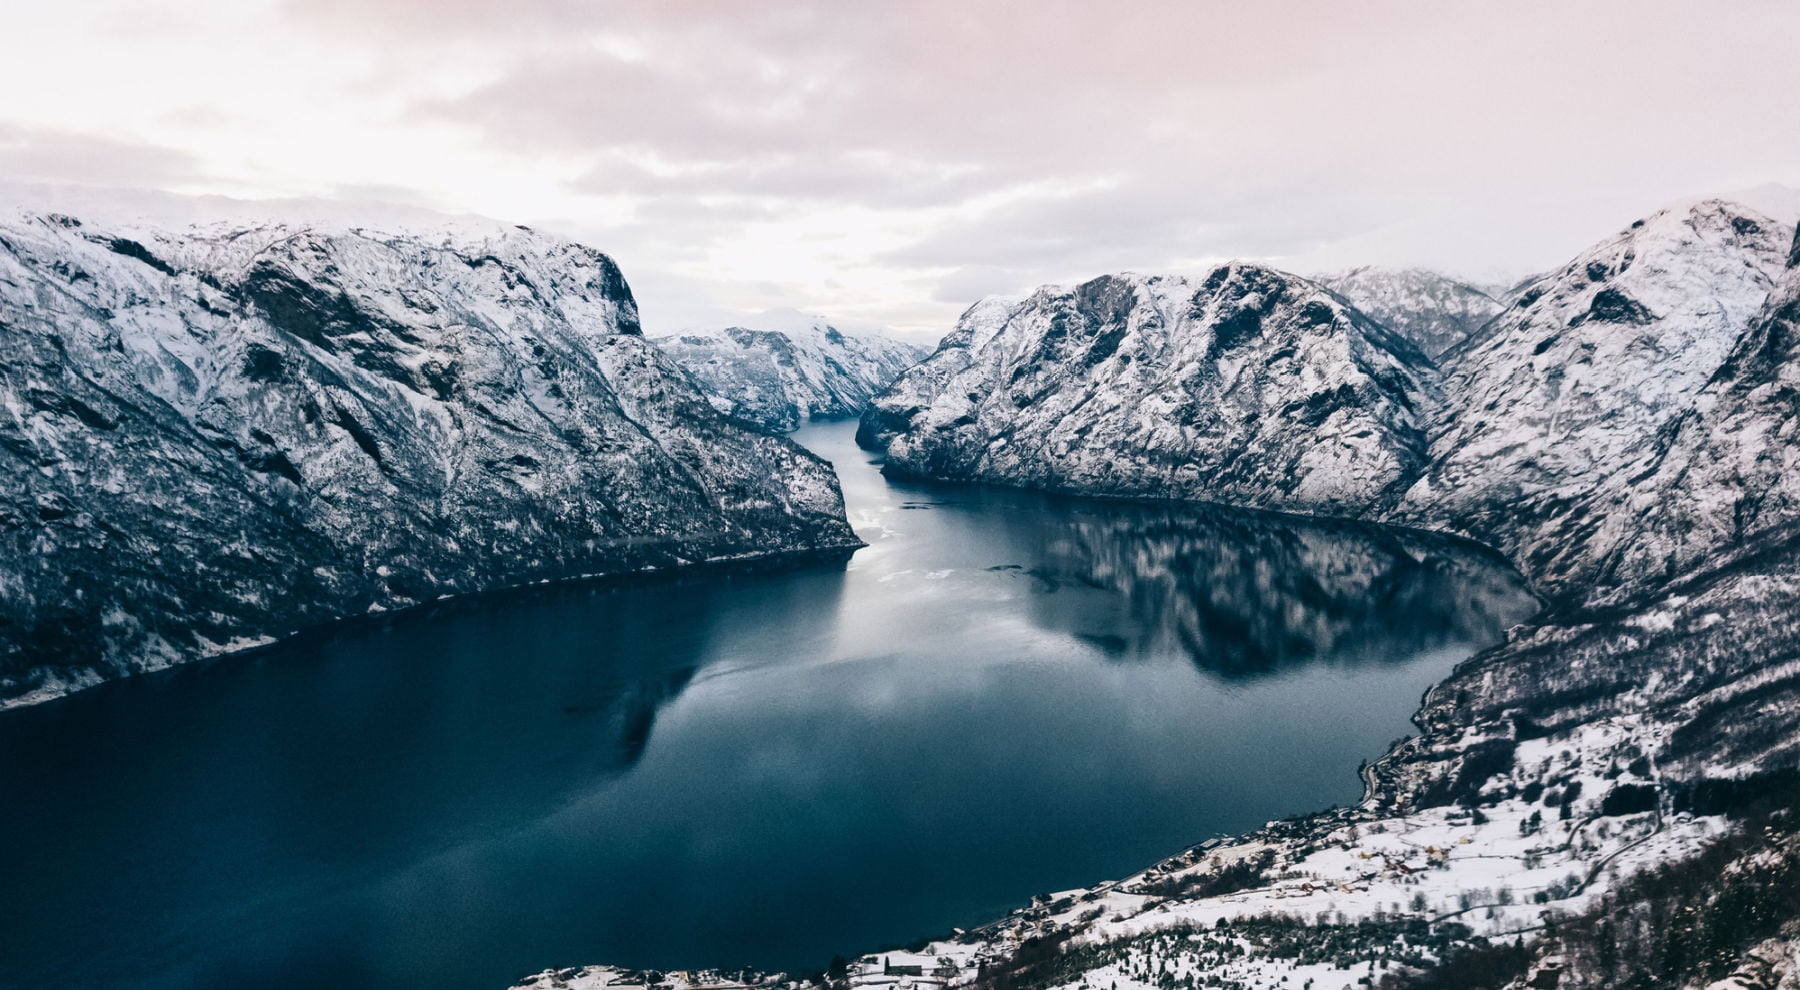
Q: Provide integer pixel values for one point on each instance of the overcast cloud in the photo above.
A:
(888, 163)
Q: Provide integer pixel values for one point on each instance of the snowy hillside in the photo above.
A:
(213, 436)
(1726, 475)
(1433, 311)
(781, 378)
(1582, 373)
(1683, 575)
(1249, 386)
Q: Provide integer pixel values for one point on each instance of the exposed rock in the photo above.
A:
(1251, 387)
(1627, 433)
(1681, 572)
(1774, 964)
(1565, 390)
(215, 436)
(1720, 481)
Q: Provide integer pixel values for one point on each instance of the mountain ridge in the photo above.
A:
(319, 421)
(779, 379)
(1432, 310)
(1163, 371)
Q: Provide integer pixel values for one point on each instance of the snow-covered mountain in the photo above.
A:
(212, 436)
(1433, 311)
(1672, 654)
(1687, 607)
(1723, 479)
(1249, 386)
(1580, 376)
(781, 378)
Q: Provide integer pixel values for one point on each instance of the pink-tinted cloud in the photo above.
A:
(56, 155)
(895, 157)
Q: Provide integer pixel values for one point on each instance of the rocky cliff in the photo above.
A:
(1581, 375)
(1681, 579)
(212, 436)
(1626, 431)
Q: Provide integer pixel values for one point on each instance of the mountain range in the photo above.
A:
(780, 379)
(1624, 431)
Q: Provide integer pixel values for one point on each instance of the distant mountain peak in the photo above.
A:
(1432, 310)
(1246, 385)
(1591, 361)
(779, 379)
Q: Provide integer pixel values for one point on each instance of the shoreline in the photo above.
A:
(756, 562)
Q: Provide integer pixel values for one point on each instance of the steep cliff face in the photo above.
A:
(778, 379)
(213, 436)
(1722, 479)
(1433, 311)
(1249, 386)
(1648, 479)
(1626, 433)
(1575, 381)
(1687, 611)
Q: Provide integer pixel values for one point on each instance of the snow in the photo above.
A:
(1161, 386)
(1433, 311)
(1631, 410)
(1570, 385)
(1624, 382)
(783, 378)
(402, 405)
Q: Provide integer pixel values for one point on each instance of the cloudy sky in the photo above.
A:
(889, 163)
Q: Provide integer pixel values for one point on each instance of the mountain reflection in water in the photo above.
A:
(1244, 593)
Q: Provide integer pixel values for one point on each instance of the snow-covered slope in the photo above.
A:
(1577, 379)
(1718, 482)
(213, 436)
(1249, 386)
(1433, 311)
(1681, 590)
(1683, 575)
(781, 378)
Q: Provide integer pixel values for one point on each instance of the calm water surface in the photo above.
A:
(1004, 694)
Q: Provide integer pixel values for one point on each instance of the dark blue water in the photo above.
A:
(1004, 694)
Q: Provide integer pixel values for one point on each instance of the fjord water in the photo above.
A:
(1004, 694)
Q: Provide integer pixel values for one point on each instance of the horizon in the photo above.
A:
(171, 211)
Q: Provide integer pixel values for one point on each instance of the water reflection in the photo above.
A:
(1244, 594)
(171, 807)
